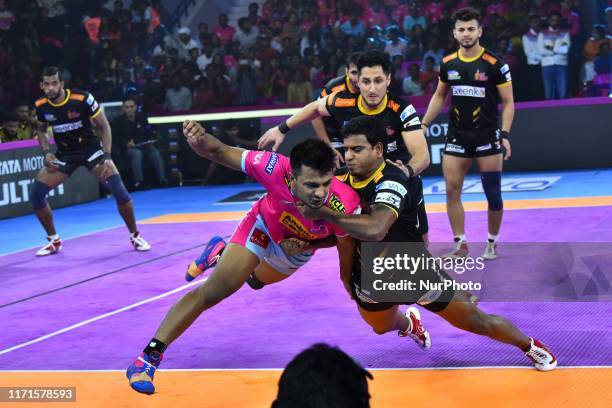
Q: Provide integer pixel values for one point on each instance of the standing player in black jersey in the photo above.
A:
(405, 139)
(70, 114)
(325, 128)
(475, 77)
(388, 214)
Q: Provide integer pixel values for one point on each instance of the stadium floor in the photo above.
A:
(80, 317)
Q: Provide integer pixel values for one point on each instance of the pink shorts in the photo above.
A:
(253, 234)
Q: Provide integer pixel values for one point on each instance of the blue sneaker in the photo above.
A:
(141, 372)
(209, 258)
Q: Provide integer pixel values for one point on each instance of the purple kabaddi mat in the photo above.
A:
(99, 273)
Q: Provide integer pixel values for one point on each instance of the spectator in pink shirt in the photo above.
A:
(571, 18)
(224, 31)
(499, 7)
(433, 11)
(375, 15)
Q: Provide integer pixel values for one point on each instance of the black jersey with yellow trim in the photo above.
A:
(341, 83)
(70, 120)
(473, 84)
(390, 187)
(396, 115)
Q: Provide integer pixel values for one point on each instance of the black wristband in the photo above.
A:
(504, 134)
(283, 127)
(410, 171)
(107, 156)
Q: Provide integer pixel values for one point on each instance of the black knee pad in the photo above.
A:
(491, 184)
(38, 195)
(117, 189)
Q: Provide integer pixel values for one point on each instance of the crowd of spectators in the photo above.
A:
(284, 51)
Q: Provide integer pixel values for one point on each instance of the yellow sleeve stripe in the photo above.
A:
(96, 114)
(504, 84)
(391, 208)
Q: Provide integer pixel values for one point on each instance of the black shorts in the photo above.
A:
(422, 223)
(473, 142)
(434, 301)
(89, 157)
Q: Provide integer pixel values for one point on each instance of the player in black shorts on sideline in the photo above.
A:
(475, 77)
(405, 139)
(388, 214)
(325, 128)
(70, 114)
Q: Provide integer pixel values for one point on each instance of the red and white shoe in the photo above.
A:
(417, 331)
(460, 251)
(53, 247)
(543, 359)
(139, 242)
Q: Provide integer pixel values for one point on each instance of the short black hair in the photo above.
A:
(369, 126)
(554, 13)
(50, 71)
(465, 14)
(130, 98)
(374, 58)
(323, 377)
(354, 57)
(313, 153)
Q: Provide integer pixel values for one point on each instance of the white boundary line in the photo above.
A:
(526, 367)
(100, 317)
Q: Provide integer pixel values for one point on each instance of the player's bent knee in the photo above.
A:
(491, 184)
(117, 188)
(38, 195)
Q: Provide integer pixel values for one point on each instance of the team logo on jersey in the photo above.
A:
(73, 114)
(390, 131)
(260, 238)
(452, 75)
(319, 228)
(335, 204)
(481, 76)
(294, 225)
(49, 117)
(409, 110)
(271, 163)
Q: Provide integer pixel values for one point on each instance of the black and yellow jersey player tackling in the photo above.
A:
(473, 114)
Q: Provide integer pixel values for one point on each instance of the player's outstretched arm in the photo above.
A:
(365, 227)
(309, 112)
(208, 146)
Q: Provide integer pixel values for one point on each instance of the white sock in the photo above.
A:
(53, 237)
(460, 238)
(492, 238)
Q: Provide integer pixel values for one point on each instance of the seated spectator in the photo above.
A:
(433, 11)
(9, 129)
(435, 51)
(185, 43)
(591, 51)
(429, 76)
(223, 92)
(25, 129)
(203, 97)
(353, 27)
(178, 98)
(224, 32)
(206, 57)
(133, 137)
(396, 44)
(246, 36)
(324, 377)
(412, 83)
(415, 17)
(299, 91)
(375, 14)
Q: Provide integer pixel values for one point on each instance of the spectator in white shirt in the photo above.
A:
(554, 44)
(396, 44)
(206, 57)
(412, 83)
(246, 35)
(533, 73)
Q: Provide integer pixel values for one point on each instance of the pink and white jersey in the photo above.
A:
(277, 208)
